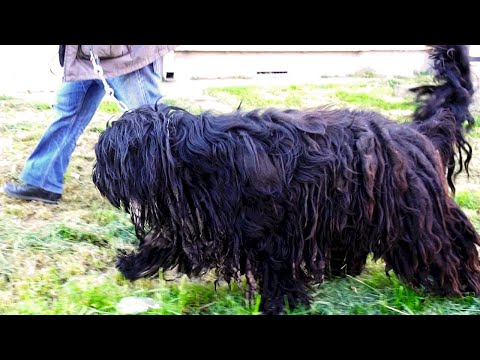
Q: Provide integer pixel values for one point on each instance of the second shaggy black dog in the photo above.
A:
(286, 197)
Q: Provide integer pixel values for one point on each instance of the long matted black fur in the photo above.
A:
(286, 197)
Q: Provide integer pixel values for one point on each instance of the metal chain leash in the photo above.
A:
(108, 90)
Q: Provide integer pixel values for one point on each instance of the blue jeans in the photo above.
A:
(77, 102)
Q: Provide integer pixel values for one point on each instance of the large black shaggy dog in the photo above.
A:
(286, 197)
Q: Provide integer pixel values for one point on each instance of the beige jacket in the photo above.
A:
(115, 60)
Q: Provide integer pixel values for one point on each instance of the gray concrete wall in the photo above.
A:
(193, 62)
(35, 68)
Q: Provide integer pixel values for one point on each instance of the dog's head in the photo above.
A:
(144, 157)
(133, 162)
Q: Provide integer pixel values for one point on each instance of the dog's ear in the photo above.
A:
(265, 177)
(258, 168)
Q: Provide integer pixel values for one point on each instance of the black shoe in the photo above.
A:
(30, 192)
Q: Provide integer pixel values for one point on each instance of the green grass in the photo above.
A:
(468, 199)
(254, 96)
(474, 131)
(42, 106)
(358, 95)
(291, 96)
(366, 73)
(9, 104)
(110, 107)
(13, 104)
(366, 100)
(61, 259)
(186, 104)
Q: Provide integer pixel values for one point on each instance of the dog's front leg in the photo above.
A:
(154, 253)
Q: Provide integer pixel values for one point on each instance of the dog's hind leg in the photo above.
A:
(251, 289)
(443, 260)
(349, 252)
(345, 261)
(279, 287)
(465, 242)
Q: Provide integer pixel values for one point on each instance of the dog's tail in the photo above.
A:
(443, 109)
